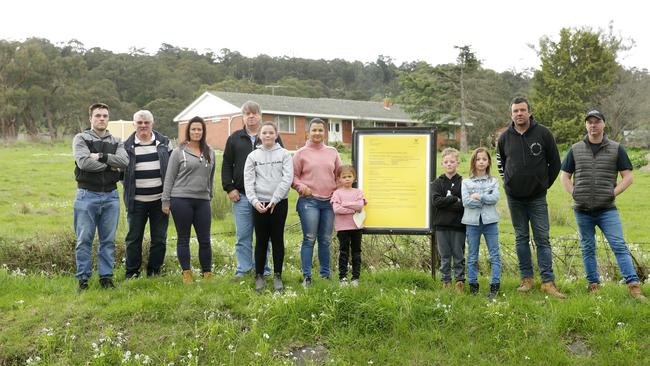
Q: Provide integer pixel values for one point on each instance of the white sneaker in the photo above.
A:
(343, 282)
(355, 283)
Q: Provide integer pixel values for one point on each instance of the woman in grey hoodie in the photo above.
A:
(268, 174)
(187, 191)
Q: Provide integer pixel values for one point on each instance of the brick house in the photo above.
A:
(221, 111)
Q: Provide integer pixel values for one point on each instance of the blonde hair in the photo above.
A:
(472, 166)
(451, 151)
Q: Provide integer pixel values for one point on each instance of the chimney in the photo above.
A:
(387, 103)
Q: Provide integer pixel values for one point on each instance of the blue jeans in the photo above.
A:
(535, 213)
(243, 212)
(491, 234)
(158, 222)
(609, 223)
(317, 221)
(95, 211)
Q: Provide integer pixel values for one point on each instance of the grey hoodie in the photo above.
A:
(188, 176)
(268, 174)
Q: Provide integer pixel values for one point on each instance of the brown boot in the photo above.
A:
(593, 288)
(550, 289)
(187, 277)
(207, 276)
(446, 285)
(526, 284)
(635, 292)
(460, 287)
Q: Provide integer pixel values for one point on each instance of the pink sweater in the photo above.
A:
(345, 202)
(314, 166)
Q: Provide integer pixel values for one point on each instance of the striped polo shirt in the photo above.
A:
(148, 181)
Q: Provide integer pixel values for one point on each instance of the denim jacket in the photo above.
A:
(485, 208)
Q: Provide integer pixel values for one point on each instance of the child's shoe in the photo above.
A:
(473, 288)
(355, 282)
(277, 282)
(343, 282)
(259, 283)
(494, 290)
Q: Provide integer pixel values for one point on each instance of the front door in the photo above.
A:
(335, 133)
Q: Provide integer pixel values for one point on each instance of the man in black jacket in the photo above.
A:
(148, 152)
(529, 163)
(238, 146)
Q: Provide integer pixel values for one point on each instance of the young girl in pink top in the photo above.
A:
(346, 201)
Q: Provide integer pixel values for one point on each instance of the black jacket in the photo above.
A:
(529, 163)
(238, 146)
(128, 183)
(449, 209)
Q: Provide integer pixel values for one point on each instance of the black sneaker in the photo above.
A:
(494, 290)
(473, 288)
(106, 282)
(306, 283)
(83, 285)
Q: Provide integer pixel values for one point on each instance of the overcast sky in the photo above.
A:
(499, 32)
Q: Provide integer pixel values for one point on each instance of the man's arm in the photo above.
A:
(567, 182)
(500, 155)
(627, 179)
(83, 158)
(552, 159)
(118, 160)
(227, 166)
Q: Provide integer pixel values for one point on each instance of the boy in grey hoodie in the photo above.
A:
(268, 174)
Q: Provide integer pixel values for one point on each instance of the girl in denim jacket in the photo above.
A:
(480, 194)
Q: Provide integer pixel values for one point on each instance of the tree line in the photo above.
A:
(45, 88)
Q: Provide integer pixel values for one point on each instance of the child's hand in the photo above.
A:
(476, 196)
(260, 207)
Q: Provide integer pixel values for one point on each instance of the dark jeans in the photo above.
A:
(190, 212)
(349, 239)
(451, 247)
(535, 213)
(270, 225)
(158, 222)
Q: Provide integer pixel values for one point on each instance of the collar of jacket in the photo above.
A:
(512, 129)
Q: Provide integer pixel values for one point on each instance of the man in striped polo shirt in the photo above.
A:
(148, 152)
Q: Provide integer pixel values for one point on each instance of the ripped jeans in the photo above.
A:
(317, 221)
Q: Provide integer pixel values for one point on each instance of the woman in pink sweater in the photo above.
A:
(314, 177)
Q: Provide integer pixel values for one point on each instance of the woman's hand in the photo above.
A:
(165, 210)
(306, 192)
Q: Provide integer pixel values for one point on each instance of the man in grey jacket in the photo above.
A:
(100, 159)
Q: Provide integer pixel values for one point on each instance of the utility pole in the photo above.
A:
(273, 88)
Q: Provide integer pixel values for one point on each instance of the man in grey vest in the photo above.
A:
(589, 174)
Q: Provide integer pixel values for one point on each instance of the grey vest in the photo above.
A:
(595, 175)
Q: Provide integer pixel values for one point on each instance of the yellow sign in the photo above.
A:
(394, 176)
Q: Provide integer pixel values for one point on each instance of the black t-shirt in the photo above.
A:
(622, 163)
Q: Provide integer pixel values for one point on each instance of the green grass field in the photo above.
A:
(398, 316)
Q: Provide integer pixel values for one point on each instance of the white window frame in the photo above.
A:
(290, 123)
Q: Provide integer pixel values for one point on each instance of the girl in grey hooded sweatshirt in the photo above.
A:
(268, 174)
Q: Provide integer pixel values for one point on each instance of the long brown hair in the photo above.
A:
(472, 166)
(203, 146)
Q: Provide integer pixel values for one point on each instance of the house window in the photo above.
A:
(451, 135)
(285, 123)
